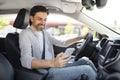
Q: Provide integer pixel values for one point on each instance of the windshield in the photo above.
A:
(109, 15)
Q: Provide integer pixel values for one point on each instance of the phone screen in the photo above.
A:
(69, 51)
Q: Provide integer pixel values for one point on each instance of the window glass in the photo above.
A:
(6, 24)
(63, 27)
(109, 15)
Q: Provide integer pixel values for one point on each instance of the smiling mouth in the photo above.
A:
(41, 26)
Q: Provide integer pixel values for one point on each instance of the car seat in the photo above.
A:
(6, 70)
(12, 45)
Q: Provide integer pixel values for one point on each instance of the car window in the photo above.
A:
(59, 26)
(109, 15)
(63, 27)
(6, 24)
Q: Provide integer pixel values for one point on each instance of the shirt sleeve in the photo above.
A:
(26, 51)
(56, 42)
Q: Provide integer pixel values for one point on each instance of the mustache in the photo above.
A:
(40, 25)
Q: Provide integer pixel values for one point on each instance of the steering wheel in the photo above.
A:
(83, 46)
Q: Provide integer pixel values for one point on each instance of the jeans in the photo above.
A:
(73, 71)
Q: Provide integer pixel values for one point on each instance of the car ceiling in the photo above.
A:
(66, 6)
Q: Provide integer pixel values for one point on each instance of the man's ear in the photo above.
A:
(31, 18)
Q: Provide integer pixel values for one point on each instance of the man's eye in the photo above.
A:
(39, 19)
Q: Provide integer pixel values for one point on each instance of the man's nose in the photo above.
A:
(43, 22)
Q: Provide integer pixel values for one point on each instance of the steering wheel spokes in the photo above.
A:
(83, 46)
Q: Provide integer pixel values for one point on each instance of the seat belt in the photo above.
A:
(43, 53)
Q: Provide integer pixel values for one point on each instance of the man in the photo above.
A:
(32, 48)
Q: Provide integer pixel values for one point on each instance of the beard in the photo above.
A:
(39, 27)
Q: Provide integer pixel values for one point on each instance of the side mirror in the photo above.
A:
(101, 3)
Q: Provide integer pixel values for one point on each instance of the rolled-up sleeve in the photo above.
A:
(26, 51)
(57, 42)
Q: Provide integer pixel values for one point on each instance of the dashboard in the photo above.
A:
(109, 54)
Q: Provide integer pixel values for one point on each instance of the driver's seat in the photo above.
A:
(12, 45)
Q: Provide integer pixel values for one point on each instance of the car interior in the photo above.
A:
(104, 52)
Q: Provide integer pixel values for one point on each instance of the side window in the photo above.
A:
(68, 30)
(6, 24)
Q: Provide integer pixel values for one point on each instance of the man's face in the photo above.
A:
(39, 20)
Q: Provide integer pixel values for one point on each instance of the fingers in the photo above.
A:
(66, 59)
(65, 56)
(64, 62)
(84, 35)
(60, 54)
(61, 60)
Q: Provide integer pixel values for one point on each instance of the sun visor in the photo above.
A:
(68, 7)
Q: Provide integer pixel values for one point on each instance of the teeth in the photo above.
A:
(41, 26)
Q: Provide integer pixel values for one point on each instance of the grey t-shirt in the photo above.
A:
(31, 46)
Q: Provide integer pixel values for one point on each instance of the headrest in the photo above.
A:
(22, 19)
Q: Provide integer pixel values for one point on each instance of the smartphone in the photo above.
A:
(69, 51)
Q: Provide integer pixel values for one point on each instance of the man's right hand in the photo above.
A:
(61, 60)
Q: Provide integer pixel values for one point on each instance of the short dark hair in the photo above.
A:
(37, 8)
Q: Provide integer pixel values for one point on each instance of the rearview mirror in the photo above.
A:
(89, 4)
(101, 3)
